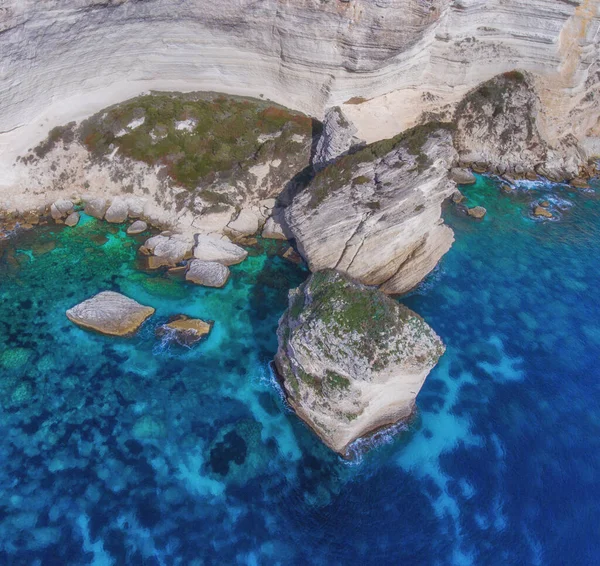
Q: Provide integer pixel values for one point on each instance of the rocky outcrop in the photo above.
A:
(110, 313)
(207, 273)
(211, 248)
(185, 330)
(477, 212)
(376, 214)
(274, 226)
(61, 208)
(337, 137)
(351, 360)
(499, 130)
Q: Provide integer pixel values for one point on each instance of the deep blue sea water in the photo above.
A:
(133, 451)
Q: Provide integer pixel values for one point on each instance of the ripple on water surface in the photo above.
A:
(131, 451)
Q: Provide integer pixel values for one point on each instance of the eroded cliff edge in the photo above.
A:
(351, 360)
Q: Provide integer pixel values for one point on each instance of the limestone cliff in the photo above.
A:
(376, 214)
(499, 130)
(63, 60)
(351, 360)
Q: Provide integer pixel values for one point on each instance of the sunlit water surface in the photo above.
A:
(133, 451)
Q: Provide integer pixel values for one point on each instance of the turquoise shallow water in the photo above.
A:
(134, 451)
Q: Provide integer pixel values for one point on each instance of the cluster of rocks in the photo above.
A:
(204, 260)
(114, 314)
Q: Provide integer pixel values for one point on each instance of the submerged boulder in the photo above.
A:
(207, 273)
(185, 330)
(210, 248)
(110, 313)
(351, 360)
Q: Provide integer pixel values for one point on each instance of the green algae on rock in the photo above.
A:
(351, 360)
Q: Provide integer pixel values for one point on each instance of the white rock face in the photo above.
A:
(211, 248)
(347, 375)
(402, 56)
(110, 313)
(207, 273)
(339, 135)
(378, 219)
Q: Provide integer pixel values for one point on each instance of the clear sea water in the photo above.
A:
(134, 451)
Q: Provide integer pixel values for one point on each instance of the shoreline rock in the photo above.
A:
(351, 360)
(185, 330)
(207, 273)
(376, 214)
(110, 313)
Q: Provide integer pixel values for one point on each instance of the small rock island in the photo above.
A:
(351, 360)
(110, 313)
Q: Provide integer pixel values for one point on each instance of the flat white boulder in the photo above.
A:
(209, 248)
(110, 313)
(247, 223)
(207, 273)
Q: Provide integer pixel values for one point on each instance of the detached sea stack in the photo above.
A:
(351, 360)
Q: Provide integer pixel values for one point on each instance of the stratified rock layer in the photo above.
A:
(110, 313)
(376, 214)
(351, 360)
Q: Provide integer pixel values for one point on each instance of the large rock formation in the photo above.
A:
(498, 129)
(110, 313)
(376, 214)
(337, 137)
(64, 59)
(351, 360)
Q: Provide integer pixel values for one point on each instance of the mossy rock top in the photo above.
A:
(194, 135)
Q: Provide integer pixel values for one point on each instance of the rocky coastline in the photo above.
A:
(366, 217)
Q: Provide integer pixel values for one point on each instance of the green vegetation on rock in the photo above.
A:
(341, 172)
(196, 135)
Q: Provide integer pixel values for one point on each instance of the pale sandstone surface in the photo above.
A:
(351, 360)
(110, 313)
